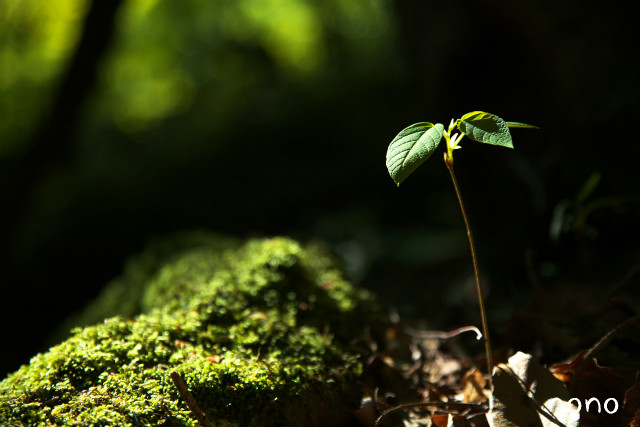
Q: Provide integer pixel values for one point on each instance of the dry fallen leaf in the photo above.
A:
(599, 385)
(473, 383)
(631, 406)
(525, 393)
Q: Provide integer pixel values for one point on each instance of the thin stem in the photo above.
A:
(483, 313)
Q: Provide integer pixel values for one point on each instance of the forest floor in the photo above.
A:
(588, 345)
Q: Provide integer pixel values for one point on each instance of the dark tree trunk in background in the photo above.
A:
(53, 140)
(49, 151)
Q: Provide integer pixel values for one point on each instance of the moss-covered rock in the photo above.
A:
(263, 333)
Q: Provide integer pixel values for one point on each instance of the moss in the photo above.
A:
(264, 333)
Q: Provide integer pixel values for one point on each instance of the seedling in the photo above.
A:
(416, 143)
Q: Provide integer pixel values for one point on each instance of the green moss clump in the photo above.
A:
(263, 333)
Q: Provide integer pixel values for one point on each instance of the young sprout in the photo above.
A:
(416, 143)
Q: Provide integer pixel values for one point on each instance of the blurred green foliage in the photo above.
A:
(36, 40)
(170, 57)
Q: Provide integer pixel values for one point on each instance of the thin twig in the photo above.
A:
(597, 347)
(626, 280)
(530, 393)
(533, 277)
(441, 335)
(189, 400)
(462, 405)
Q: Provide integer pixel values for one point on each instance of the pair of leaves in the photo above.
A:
(416, 143)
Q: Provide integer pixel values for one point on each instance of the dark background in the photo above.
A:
(125, 120)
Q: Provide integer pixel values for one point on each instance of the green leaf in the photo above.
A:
(521, 125)
(487, 128)
(411, 147)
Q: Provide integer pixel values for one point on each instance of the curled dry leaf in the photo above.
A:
(525, 393)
